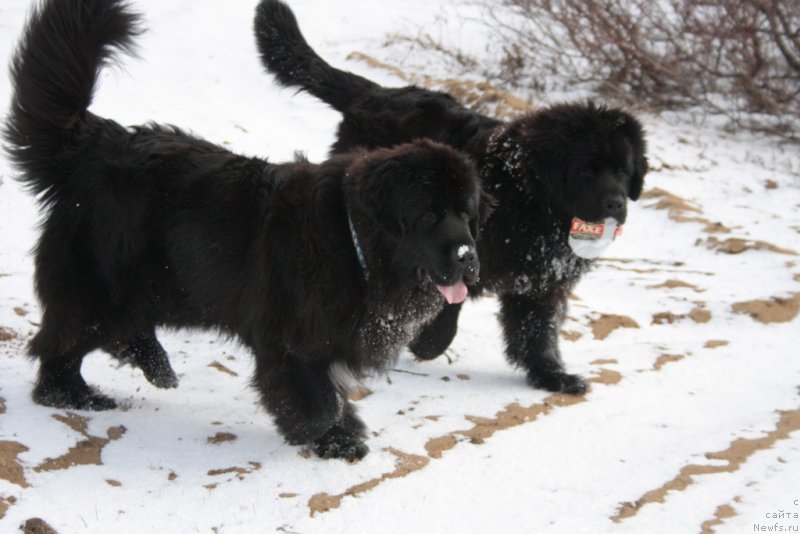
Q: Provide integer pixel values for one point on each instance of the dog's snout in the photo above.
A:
(465, 254)
(465, 257)
(613, 204)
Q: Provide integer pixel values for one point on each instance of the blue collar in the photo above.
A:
(362, 261)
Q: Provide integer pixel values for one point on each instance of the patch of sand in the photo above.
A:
(673, 283)
(733, 457)
(603, 325)
(604, 361)
(10, 467)
(86, 452)
(682, 211)
(774, 310)
(405, 464)
(222, 369)
(669, 201)
(664, 359)
(5, 503)
(736, 245)
(6, 334)
(699, 315)
(36, 525)
(678, 209)
(570, 335)
(238, 472)
(716, 228)
(358, 393)
(666, 318)
(723, 512)
(221, 437)
(483, 428)
(227, 470)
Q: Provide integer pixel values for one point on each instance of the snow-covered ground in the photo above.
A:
(688, 329)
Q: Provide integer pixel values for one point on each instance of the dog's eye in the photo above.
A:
(428, 218)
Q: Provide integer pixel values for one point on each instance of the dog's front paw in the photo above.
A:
(558, 382)
(161, 377)
(338, 443)
(72, 396)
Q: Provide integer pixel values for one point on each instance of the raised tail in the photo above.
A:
(54, 71)
(286, 54)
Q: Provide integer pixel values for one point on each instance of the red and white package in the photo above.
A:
(588, 240)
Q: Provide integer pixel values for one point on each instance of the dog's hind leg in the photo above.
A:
(308, 407)
(145, 352)
(436, 336)
(60, 383)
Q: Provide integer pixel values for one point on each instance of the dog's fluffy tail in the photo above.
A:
(286, 54)
(54, 72)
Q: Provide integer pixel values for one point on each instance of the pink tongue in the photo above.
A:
(454, 294)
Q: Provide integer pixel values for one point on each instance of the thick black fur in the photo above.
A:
(150, 226)
(544, 168)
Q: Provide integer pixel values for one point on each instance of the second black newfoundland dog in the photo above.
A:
(546, 169)
(324, 271)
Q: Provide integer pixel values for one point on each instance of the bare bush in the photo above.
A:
(740, 58)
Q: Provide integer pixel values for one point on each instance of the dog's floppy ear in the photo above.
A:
(380, 192)
(637, 181)
(633, 131)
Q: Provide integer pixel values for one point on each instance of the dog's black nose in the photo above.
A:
(464, 254)
(613, 204)
(466, 258)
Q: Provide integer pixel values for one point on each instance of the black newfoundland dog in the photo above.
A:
(545, 169)
(324, 271)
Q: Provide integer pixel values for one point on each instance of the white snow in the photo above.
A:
(568, 468)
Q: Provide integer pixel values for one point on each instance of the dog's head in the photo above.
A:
(590, 158)
(418, 208)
